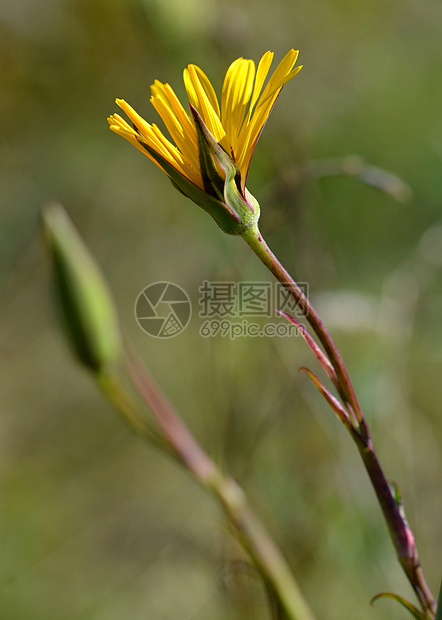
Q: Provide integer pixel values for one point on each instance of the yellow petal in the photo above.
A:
(237, 90)
(119, 126)
(203, 99)
(245, 106)
(140, 124)
(252, 130)
(152, 136)
(261, 74)
(177, 121)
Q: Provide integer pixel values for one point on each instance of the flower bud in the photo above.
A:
(84, 301)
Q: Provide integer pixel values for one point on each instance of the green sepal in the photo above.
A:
(84, 300)
(211, 155)
(221, 197)
(213, 181)
(225, 217)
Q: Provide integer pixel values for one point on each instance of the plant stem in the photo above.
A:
(177, 441)
(260, 547)
(400, 532)
(112, 384)
(255, 240)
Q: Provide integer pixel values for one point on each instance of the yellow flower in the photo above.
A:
(235, 126)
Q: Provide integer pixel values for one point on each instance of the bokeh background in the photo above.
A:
(94, 524)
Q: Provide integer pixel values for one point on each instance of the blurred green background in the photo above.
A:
(94, 524)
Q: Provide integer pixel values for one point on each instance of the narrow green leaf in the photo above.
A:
(439, 605)
(414, 611)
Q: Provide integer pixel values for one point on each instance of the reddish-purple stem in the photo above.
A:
(401, 534)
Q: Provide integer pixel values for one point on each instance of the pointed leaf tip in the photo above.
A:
(414, 611)
(226, 187)
(313, 346)
(333, 402)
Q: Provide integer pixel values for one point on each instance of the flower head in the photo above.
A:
(213, 145)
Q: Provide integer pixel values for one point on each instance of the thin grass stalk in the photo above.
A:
(177, 441)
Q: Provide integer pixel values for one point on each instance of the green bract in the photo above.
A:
(221, 197)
